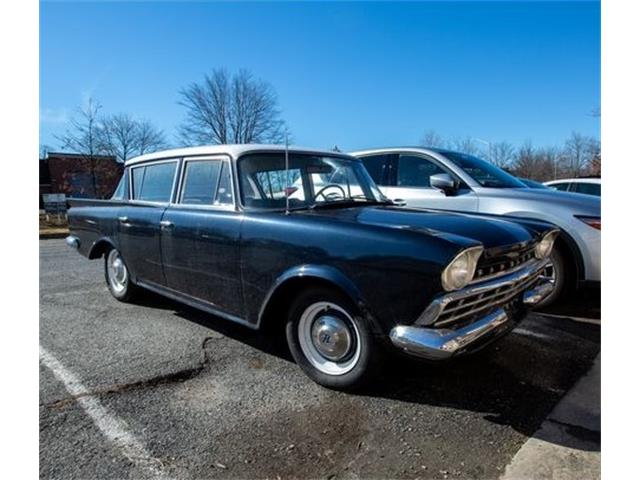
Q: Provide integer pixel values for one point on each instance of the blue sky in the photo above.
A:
(348, 74)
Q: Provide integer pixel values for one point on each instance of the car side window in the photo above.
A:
(561, 186)
(224, 194)
(588, 188)
(154, 183)
(120, 192)
(200, 182)
(414, 171)
(376, 166)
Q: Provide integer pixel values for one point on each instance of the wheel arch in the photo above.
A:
(100, 247)
(566, 243)
(294, 280)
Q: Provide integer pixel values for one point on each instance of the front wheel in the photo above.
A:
(117, 276)
(330, 341)
(557, 272)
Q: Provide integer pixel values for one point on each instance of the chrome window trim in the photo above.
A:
(175, 203)
(147, 164)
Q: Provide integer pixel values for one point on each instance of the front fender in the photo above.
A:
(324, 273)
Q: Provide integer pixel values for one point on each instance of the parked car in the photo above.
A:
(345, 273)
(443, 179)
(533, 184)
(588, 186)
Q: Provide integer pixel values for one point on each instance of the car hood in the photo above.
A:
(461, 228)
(577, 203)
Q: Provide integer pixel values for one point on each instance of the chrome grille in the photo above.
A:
(459, 312)
(500, 266)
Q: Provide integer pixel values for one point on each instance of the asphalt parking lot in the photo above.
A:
(204, 398)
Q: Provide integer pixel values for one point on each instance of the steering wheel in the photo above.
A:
(327, 197)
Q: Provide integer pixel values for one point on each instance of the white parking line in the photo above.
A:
(111, 426)
(593, 321)
(530, 333)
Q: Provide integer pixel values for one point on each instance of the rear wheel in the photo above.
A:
(329, 339)
(117, 276)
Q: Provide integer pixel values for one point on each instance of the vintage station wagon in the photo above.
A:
(303, 240)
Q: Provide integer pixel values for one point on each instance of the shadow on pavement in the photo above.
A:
(515, 381)
(584, 303)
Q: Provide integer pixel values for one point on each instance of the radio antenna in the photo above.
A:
(286, 173)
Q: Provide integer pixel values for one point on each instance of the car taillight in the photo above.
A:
(591, 221)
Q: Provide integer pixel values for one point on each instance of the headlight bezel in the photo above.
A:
(469, 255)
(544, 247)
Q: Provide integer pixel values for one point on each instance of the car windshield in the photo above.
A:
(486, 174)
(310, 181)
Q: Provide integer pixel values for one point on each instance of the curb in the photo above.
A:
(567, 445)
(45, 235)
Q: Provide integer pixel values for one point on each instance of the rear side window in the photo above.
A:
(154, 183)
(376, 166)
(561, 186)
(588, 188)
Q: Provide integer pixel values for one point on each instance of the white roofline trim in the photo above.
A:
(234, 151)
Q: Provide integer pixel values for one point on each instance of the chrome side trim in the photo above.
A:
(194, 302)
(438, 344)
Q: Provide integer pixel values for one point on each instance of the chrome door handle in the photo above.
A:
(123, 219)
(166, 224)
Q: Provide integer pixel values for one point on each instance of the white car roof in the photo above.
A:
(574, 180)
(234, 151)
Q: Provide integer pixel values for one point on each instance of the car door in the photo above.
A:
(200, 236)
(410, 181)
(151, 188)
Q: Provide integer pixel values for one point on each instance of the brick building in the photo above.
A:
(78, 175)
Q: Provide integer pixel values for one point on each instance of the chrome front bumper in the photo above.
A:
(435, 343)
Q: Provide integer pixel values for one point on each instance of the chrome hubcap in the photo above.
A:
(329, 338)
(549, 272)
(117, 271)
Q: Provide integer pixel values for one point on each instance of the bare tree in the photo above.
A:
(432, 139)
(85, 136)
(119, 134)
(465, 145)
(502, 154)
(578, 152)
(44, 151)
(125, 136)
(149, 138)
(231, 109)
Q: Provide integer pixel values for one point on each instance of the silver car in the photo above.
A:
(443, 179)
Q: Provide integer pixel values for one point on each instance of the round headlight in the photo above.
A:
(544, 246)
(461, 269)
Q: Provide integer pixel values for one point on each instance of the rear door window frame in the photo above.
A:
(132, 192)
(176, 201)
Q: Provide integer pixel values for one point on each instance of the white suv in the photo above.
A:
(442, 179)
(588, 186)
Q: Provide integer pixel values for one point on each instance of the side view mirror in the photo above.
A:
(444, 182)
